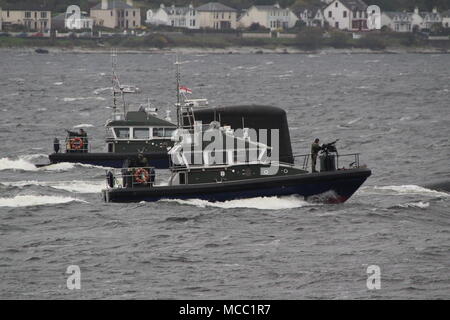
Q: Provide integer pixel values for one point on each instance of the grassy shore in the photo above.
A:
(306, 41)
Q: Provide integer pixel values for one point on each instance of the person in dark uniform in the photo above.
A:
(126, 173)
(83, 135)
(56, 145)
(142, 161)
(315, 148)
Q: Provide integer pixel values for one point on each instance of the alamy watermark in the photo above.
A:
(74, 280)
(222, 145)
(374, 278)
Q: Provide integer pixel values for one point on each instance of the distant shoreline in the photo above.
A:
(230, 50)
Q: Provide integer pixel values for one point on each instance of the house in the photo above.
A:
(272, 17)
(215, 15)
(182, 17)
(116, 14)
(75, 19)
(312, 17)
(446, 19)
(430, 19)
(1, 21)
(347, 15)
(33, 17)
(397, 21)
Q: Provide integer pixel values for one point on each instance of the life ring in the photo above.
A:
(141, 175)
(76, 143)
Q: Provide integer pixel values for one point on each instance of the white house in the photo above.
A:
(215, 15)
(117, 14)
(445, 19)
(311, 17)
(397, 21)
(75, 19)
(182, 17)
(347, 15)
(272, 17)
(425, 20)
(430, 18)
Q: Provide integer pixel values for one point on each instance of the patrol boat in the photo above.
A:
(238, 166)
(127, 134)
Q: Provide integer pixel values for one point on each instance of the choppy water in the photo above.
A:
(392, 108)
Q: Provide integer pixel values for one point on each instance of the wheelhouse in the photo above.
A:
(139, 131)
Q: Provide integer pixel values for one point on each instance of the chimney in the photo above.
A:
(434, 9)
(162, 6)
(416, 10)
(104, 4)
(277, 5)
(130, 3)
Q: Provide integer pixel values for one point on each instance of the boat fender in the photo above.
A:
(76, 143)
(141, 175)
(110, 179)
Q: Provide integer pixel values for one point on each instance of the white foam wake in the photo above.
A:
(18, 164)
(70, 186)
(405, 190)
(24, 163)
(262, 203)
(420, 205)
(33, 200)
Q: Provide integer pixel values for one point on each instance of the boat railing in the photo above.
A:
(132, 177)
(77, 144)
(343, 161)
(350, 159)
(302, 160)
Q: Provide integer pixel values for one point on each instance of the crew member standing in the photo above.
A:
(315, 148)
(84, 137)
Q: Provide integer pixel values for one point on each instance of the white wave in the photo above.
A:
(262, 203)
(420, 204)
(62, 166)
(98, 91)
(29, 157)
(83, 98)
(58, 83)
(83, 125)
(76, 186)
(405, 190)
(18, 164)
(34, 200)
(354, 121)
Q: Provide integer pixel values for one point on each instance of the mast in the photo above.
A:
(113, 79)
(178, 104)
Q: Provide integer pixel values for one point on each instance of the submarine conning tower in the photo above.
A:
(254, 117)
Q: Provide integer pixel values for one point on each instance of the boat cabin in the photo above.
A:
(139, 130)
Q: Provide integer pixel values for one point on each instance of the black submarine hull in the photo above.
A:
(328, 187)
(158, 160)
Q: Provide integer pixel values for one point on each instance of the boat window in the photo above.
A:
(122, 133)
(168, 132)
(141, 133)
(158, 132)
(163, 132)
